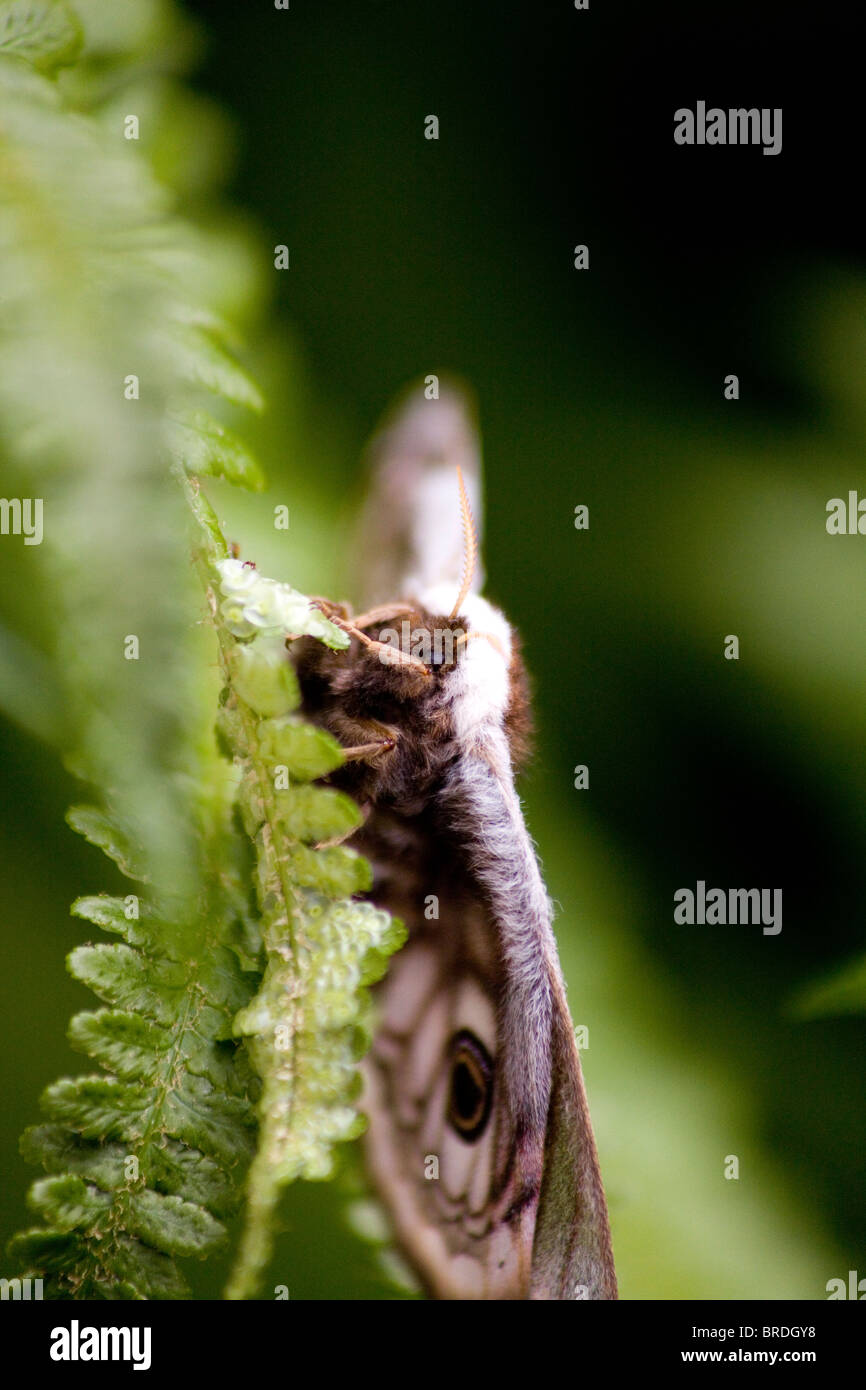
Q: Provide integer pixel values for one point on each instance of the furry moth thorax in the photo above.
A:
(424, 718)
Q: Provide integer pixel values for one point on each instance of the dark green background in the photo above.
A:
(706, 518)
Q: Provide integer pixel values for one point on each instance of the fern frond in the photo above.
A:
(233, 999)
(44, 34)
(307, 1025)
(146, 1156)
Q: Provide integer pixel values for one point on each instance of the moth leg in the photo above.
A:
(385, 613)
(368, 751)
(392, 656)
(363, 740)
(331, 610)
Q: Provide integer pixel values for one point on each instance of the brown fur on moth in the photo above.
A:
(359, 699)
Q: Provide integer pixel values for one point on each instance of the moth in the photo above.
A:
(479, 1139)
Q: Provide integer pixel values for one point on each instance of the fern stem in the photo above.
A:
(256, 1244)
(262, 1184)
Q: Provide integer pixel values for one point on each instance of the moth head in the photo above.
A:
(484, 681)
(480, 680)
(436, 670)
(446, 628)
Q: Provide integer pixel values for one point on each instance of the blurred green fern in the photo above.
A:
(234, 999)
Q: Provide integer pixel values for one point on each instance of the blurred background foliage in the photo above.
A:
(706, 518)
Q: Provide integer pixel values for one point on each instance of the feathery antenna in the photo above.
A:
(470, 545)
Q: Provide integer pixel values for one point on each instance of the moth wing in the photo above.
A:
(572, 1256)
(410, 534)
(463, 1210)
(517, 1209)
(510, 1216)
